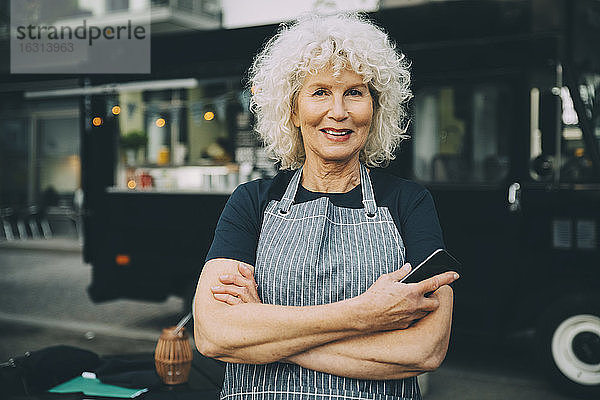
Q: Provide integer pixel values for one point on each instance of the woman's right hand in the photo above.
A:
(390, 305)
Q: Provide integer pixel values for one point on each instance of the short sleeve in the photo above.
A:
(421, 227)
(237, 232)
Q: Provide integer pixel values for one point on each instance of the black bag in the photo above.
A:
(38, 371)
(128, 373)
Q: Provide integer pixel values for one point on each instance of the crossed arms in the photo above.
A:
(391, 331)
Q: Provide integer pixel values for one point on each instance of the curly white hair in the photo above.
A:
(344, 41)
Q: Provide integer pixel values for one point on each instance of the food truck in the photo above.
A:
(505, 134)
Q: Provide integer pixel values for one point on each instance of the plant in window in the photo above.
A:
(132, 142)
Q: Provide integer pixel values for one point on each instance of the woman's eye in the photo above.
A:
(319, 92)
(354, 92)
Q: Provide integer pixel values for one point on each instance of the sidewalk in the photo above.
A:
(68, 244)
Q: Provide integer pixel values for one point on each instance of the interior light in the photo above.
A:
(209, 115)
(97, 121)
(116, 110)
(131, 184)
(160, 122)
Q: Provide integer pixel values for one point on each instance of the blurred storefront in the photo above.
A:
(41, 120)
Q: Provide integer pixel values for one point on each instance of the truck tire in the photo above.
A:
(569, 345)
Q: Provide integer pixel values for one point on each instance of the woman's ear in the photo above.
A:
(295, 119)
(294, 107)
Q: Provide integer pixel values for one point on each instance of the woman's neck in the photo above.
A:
(331, 177)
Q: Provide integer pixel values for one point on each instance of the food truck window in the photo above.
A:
(193, 138)
(558, 149)
(58, 165)
(461, 134)
(575, 162)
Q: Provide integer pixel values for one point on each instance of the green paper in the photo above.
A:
(93, 387)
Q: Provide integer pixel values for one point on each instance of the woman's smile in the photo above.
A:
(337, 135)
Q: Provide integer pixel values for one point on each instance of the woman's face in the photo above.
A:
(334, 115)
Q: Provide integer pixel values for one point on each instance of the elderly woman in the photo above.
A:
(300, 293)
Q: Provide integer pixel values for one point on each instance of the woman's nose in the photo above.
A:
(338, 109)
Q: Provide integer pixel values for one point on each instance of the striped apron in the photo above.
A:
(317, 253)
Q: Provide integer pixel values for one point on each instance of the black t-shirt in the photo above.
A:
(410, 204)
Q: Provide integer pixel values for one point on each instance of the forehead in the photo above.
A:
(329, 77)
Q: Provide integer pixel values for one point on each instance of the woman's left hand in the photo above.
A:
(237, 289)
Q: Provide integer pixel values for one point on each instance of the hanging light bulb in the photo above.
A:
(160, 122)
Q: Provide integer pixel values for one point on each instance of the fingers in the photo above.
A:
(248, 274)
(246, 279)
(227, 298)
(245, 271)
(434, 283)
(237, 280)
(400, 273)
(239, 292)
(248, 286)
(236, 289)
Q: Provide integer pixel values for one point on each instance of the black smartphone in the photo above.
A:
(438, 262)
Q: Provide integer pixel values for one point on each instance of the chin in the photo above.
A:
(337, 158)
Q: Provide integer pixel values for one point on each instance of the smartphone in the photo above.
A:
(438, 262)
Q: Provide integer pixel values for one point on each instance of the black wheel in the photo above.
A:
(569, 345)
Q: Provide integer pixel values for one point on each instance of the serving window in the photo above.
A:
(461, 134)
(196, 138)
(575, 161)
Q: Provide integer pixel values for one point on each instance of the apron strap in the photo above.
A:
(367, 192)
(290, 193)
